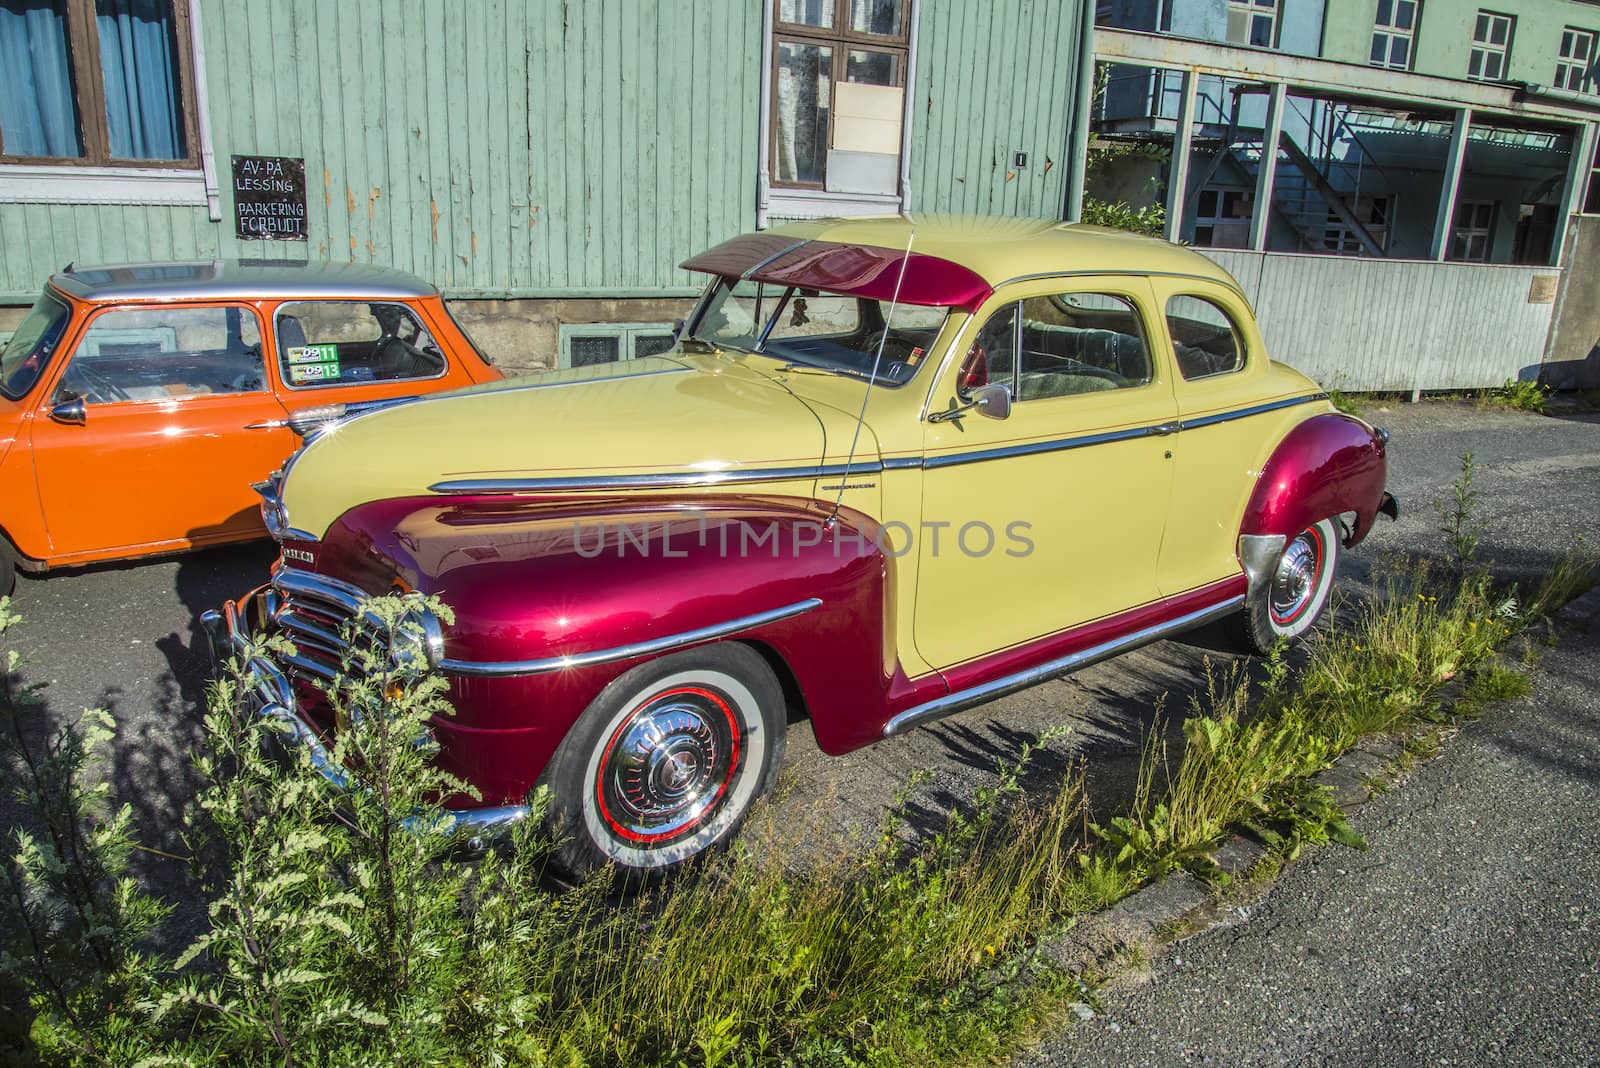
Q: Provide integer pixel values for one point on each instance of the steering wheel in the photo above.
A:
(100, 388)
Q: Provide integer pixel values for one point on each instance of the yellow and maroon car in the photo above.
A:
(138, 403)
(887, 473)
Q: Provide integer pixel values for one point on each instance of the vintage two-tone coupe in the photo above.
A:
(883, 476)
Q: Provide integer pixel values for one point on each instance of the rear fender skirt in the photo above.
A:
(1328, 465)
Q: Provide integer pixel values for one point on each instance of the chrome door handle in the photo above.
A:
(270, 424)
(1166, 428)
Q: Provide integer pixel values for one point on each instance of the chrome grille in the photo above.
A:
(311, 611)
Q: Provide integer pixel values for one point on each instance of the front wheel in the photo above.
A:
(1293, 598)
(664, 765)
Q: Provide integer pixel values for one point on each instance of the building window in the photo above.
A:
(98, 82)
(1577, 60)
(1491, 47)
(587, 344)
(1394, 34)
(1222, 217)
(1253, 22)
(1472, 232)
(838, 94)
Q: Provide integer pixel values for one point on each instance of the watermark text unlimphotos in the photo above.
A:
(775, 538)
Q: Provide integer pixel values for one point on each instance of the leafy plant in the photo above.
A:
(1459, 520)
(1517, 394)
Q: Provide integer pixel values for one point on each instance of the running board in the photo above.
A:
(950, 704)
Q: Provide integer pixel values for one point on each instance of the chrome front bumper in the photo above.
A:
(272, 695)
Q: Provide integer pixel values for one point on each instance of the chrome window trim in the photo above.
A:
(504, 668)
(952, 703)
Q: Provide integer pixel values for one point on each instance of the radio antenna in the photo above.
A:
(877, 359)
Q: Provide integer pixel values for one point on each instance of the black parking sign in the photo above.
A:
(269, 197)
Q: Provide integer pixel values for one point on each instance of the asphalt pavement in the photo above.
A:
(1467, 933)
(126, 638)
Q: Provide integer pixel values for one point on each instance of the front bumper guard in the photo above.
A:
(272, 694)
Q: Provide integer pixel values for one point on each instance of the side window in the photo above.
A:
(1080, 343)
(993, 355)
(1205, 339)
(161, 353)
(334, 342)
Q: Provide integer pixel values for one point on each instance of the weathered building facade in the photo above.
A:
(1452, 140)
(547, 164)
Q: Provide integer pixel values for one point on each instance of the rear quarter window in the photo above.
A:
(1205, 339)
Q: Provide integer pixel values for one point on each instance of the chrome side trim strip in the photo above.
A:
(1031, 447)
(1244, 413)
(690, 479)
(950, 704)
(503, 668)
(664, 480)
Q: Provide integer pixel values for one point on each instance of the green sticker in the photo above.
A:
(302, 373)
(313, 354)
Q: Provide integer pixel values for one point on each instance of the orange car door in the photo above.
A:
(157, 426)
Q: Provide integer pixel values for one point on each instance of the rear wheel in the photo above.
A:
(664, 765)
(1294, 596)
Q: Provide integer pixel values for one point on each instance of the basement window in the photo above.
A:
(588, 344)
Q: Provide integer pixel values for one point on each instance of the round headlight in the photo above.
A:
(417, 644)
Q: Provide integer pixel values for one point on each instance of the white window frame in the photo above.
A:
(1483, 48)
(778, 202)
(1252, 10)
(1390, 32)
(1574, 72)
(1466, 233)
(25, 183)
(625, 333)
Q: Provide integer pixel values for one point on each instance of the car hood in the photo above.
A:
(659, 422)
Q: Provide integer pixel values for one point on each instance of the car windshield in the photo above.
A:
(28, 352)
(814, 328)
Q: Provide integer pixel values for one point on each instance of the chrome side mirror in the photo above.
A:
(70, 411)
(992, 400)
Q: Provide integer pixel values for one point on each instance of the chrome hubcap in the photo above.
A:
(1294, 584)
(668, 765)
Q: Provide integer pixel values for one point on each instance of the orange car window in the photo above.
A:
(337, 342)
(160, 353)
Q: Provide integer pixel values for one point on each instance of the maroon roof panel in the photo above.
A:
(859, 270)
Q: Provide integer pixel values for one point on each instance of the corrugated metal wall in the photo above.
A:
(994, 79)
(1362, 324)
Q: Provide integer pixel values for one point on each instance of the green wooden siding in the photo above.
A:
(503, 149)
(994, 79)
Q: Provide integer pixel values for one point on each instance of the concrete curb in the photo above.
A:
(1179, 905)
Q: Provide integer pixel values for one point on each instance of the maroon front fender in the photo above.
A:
(1326, 466)
(536, 579)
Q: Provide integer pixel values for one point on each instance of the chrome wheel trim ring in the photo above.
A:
(1298, 581)
(667, 763)
(702, 821)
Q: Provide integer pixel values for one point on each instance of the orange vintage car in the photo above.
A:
(138, 403)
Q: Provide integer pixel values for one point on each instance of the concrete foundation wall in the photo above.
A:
(524, 336)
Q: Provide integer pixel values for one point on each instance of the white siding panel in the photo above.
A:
(1361, 324)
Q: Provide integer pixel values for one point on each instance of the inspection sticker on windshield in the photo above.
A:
(312, 354)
